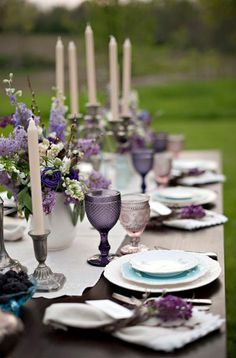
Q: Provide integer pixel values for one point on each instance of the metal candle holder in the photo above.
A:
(119, 128)
(92, 128)
(6, 262)
(47, 281)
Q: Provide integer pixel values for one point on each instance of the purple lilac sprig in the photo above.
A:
(145, 118)
(170, 308)
(97, 181)
(22, 114)
(89, 147)
(49, 201)
(195, 172)
(192, 212)
(14, 143)
(5, 121)
(57, 122)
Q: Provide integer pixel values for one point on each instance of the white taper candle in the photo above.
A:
(73, 78)
(126, 77)
(90, 63)
(60, 66)
(35, 179)
(113, 78)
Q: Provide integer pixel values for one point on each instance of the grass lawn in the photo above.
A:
(206, 113)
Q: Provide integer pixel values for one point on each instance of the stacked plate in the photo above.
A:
(185, 165)
(183, 196)
(162, 270)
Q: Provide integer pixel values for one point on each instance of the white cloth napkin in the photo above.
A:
(164, 338)
(210, 219)
(207, 177)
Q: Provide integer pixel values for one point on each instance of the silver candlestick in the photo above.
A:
(92, 122)
(47, 281)
(6, 262)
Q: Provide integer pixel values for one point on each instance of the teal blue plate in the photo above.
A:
(130, 274)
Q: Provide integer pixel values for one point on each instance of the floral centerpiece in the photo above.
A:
(60, 155)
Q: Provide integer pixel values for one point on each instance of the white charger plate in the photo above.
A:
(171, 196)
(113, 274)
(164, 263)
(188, 164)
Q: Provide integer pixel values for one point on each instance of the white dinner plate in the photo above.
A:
(164, 263)
(113, 274)
(183, 196)
(185, 165)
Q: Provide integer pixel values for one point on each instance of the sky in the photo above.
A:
(49, 3)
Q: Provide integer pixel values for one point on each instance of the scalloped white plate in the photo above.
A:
(113, 274)
(183, 196)
(165, 263)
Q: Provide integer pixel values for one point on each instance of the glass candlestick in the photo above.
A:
(6, 262)
(47, 281)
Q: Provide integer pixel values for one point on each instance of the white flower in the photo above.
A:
(75, 189)
(54, 150)
(65, 165)
(43, 147)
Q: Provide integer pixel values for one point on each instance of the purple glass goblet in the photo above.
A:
(143, 162)
(103, 210)
(160, 142)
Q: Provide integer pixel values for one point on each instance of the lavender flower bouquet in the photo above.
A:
(60, 154)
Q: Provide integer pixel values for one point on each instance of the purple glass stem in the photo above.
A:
(143, 185)
(104, 247)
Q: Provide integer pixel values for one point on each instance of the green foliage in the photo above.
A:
(25, 202)
(181, 24)
(78, 212)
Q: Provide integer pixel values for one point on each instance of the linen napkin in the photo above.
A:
(163, 338)
(210, 219)
(207, 177)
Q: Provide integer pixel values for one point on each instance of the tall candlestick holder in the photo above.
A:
(92, 123)
(120, 130)
(47, 281)
(6, 262)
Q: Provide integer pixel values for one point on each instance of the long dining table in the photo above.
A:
(40, 341)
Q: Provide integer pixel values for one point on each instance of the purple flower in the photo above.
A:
(97, 181)
(145, 117)
(192, 212)
(22, 116)
(12, 99)
(14, 143)
(138, 142)
(51, 178)
(49, 201)
(195, 172)
(4, 121)
(89, 147)
(171, 308)
(74, 174)
(57, 122)
(7, 182)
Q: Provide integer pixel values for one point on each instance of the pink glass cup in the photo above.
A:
(162, 168)
(134, 216)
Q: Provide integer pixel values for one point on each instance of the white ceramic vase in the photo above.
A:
(59, 222)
